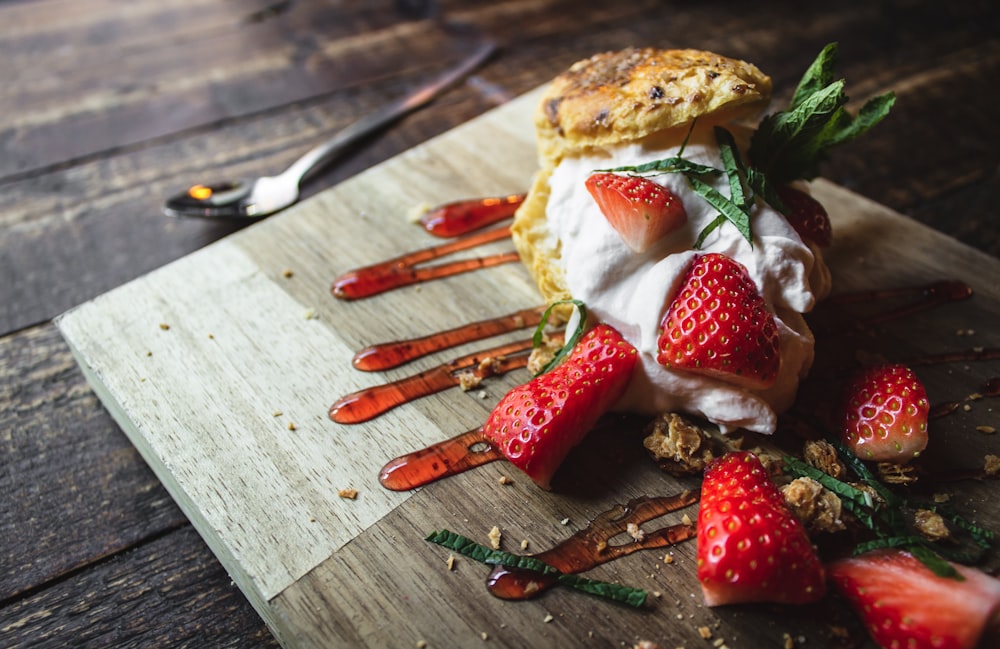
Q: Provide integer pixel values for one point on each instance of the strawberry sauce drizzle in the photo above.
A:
(441, 460)
(461, 217)
(403, 271)
(369, 403)
(386, 356)
(933, 295)
(592, 546)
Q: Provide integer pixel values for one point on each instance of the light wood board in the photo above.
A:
(220, 367)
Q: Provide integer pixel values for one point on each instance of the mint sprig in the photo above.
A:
(467, 547)
(790, 145)
(569, 344)
(883, 516)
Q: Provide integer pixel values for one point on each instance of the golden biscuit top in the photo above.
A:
(627, 95)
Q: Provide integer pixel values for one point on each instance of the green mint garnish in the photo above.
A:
(467, 547)
(569, 343)
(884, 516)
(791, 144)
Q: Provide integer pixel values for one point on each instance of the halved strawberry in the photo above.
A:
(903, 604)
(883, 414)
(806, 215)
(718, 324)
(641, 211)
(536, 424)
(751, 548)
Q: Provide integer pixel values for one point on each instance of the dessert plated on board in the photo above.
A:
(677, 250)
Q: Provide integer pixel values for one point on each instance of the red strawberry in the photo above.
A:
(806, 215)
(750, 546)
(536, 424)
(641, 211)
(883, 416)
(903, 604)
(718, 324)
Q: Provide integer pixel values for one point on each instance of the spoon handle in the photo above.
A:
(387, 114)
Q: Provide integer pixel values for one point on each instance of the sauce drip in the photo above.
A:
(369, 403)
(592, 546)
(461, 217)
(404, 271)
(933, 295)
(386, 356)
(441, 460)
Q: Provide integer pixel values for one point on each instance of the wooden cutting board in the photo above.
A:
(221, 368)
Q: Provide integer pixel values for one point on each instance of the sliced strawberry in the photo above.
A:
(718, 324)
(641, 211)
(806, 215)
(883, 414)
(750, 546)
(536, 424)
(903, 604)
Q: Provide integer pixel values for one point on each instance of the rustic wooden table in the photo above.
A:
(108, 107)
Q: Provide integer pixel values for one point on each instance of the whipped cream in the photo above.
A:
(632, 292)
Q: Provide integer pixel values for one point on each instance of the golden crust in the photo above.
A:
(619, 97)
(627, 95)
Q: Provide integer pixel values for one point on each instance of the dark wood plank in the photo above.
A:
(75, 489)
(168, 592)
(159, 72)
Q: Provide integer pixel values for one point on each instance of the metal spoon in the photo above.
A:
(246, 198)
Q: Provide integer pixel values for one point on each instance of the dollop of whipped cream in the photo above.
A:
(632, 292)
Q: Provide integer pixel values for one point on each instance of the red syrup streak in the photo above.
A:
(933, 296)
(403, 271)
(444, 459)
(462, 217)
(592, 546)
(369, 403)
(386, 356)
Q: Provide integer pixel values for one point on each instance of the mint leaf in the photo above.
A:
(733, 212)
(467, 547)
(674, 164)
(818, 75)
(568, 345)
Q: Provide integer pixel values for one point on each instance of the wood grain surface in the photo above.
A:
(220, 368)
(106, 108)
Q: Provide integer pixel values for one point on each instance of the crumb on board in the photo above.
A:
(505, 480)
(524, 544)
(564, 521)
(705, 632)
(291, 425)
(421, 644)
(787, 641)
(348, 494)
(930, 524)
(164, 326)
(668, 558)
(645, 644)
(277, 413)
(991, 465)
(988, 430)
(484, 635)
(451, 562)
(494, 537)
(635, 531)
(288, 273)
(548, 618)
(310, 314)
(468, 380)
